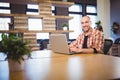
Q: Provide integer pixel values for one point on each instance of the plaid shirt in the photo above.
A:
(95, 40)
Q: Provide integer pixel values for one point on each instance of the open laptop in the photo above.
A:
(59, 44)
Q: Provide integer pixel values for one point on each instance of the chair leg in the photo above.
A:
(118, 50)
(110, 51)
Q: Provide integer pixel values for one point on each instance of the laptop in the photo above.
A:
(59, 43)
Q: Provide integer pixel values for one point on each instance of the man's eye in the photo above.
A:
(86, 22)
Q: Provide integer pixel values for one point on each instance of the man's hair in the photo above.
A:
(87, 17)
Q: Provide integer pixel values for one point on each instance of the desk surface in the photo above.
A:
(46, 65)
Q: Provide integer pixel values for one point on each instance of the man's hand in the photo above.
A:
(74, 49)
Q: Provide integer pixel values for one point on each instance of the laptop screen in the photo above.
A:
(58, 43)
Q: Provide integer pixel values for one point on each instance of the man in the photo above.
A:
(90, 41)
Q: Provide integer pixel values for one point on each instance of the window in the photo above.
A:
(74, 24)
(53, 10)
(75, 8)
(4, 7)
(35, 23)
(4, 24)
(76, 12)
(91, 11)
(93, 19)
(32, 9)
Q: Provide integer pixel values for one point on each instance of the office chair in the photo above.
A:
(107, 45)
(117, 41)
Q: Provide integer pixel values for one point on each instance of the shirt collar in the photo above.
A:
(89, 32)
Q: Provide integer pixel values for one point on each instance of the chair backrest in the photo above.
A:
(107, 45)
(117, 41)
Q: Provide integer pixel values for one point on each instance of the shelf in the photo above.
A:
(55, 3)
(19, 15)
(48, 20)
(36, 16)
(61, 3)
(35, 31)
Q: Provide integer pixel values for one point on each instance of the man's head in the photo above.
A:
(86, 23)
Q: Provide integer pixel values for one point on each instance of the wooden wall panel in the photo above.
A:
(33, 41)
(20, 23)
(49, 23)
(45, 8)
(45, 12)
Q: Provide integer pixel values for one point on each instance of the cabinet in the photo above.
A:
(48, 20)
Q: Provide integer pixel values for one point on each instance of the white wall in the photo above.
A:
(103, 7)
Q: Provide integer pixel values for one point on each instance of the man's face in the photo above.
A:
(86, 23)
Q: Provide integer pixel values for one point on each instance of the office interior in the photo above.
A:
(107, 11)
(104, 11)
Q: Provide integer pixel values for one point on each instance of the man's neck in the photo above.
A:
(86, 33)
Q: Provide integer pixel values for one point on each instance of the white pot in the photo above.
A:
(15, 66)
(64, 28)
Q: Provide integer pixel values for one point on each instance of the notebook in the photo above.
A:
(59, 43)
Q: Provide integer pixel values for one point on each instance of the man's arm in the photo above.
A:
(82, 50)
(99, 42)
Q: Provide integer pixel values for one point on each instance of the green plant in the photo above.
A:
(64, 25)
(98, 26)
(98, 23)
(14, 47)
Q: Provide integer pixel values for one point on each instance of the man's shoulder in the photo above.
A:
(97, 32)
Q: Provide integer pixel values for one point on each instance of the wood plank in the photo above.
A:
(48, 22)
(46, 9)
(38, 16)
(21, 28)
(61, 3)
(29, 34)
(35, 31)
(20, 24)
(45, 12)
(29, 37)
(49, 26)
(46, 4)
(20, 18)
(57, 2)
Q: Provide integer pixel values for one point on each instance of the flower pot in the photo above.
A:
(64, 28)
(15, 66)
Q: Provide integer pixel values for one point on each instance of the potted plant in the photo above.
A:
(65, 26)
(98, 23)
(15, 48)
(98, 26)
